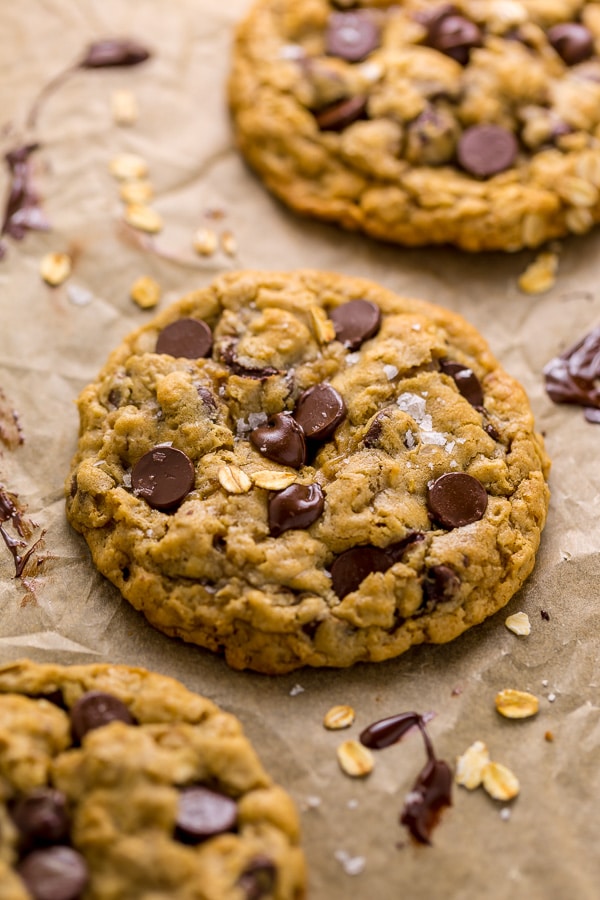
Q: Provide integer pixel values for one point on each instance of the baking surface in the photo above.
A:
(54, 340)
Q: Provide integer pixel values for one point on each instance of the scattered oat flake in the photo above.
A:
(124, 107)
(205, 242)
(470, 766)
(499, 782)
(145, 292)
(55, 268)
(540, 275)
(138, 191)
(355, 759)
(128, 166)
(338, 717)
(518, 623)
(297, 689)
(352, 865)
(228, 243)
(516, 704)
(143, 218)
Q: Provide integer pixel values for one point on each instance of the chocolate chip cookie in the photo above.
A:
(306, 469)
(475, 123)
(117, 782)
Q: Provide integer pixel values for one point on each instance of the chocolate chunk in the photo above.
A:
(190, 338)
(203, 813)
(355, 322)
(54, 873)
(430, 794)
(114, 52)
(163, 477)
(338, 116)
(298, 506)
(572, 377)
(351, 35)
(455, 36)
(573, 42)
(466, 381)
(258, 878)
(95, 709)
(319, 411)
(457, 499)
(441, 583)
(41, 817)
(281, 440)
(352, 566)
(388, 731)
(485, 150)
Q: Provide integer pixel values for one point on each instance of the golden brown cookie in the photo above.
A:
(117, 782)
(475, 123)
(306, 469)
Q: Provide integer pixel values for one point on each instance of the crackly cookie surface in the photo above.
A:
(306, 469)
(116, 782)
(475, 123)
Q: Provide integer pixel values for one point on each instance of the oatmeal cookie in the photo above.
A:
(119, 783)
(475, 123)
(306, 469)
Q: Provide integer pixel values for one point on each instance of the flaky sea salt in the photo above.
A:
(352, 865)
(390, 372)
(352, 359)
(297, 689)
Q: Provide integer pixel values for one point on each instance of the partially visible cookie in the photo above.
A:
(475, 123)
(116, 782)
(306, 469)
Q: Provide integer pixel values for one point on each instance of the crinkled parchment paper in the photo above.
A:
(52, 342)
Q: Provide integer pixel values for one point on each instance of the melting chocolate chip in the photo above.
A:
(573, 42)
(114, 52)
(466, 381)
(54, 873)
(203, 813)
(572, 377)
(229, 358)
(338, 116)
(355, 322)
(163, 477)
(281, 440)
(319, 411)
(430, 794)
(95, 709)
(457, 499)
(396, 551)
(22, 211)
(352, 566)
(258, 878)
(371, 438)
(351, 35)
(42, 817)
(298, 506)
(388, 731)
(190, 338)
(493, 433)
(441, 583)
(486, 150)
(455, 36)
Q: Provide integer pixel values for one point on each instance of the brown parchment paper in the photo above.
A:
(51, 346)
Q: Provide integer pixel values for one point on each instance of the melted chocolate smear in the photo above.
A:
(432, 790)
(571, 377)
(11, 433)
(11, 513)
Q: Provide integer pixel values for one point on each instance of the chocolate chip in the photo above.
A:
(352, 567)
(455, 36)
(485, 150)
(298, 506)
(54, 873)
(319, 411)
(258, 878)
(281, 440)
(41, 817)
(190, 338)
(441, 584)
(338, 116)
(203, 813)
(351, 35)
(163, 477)
(466, 381)
(95, 709)
(573, 42)
(355, 322)
(457, 499)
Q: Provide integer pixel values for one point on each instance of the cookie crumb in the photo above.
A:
(55, 268)
(540, 275)
(124, 107)
(228, 243)
(145, 292)
(549, 736)
(205, 241)
(519, 624)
